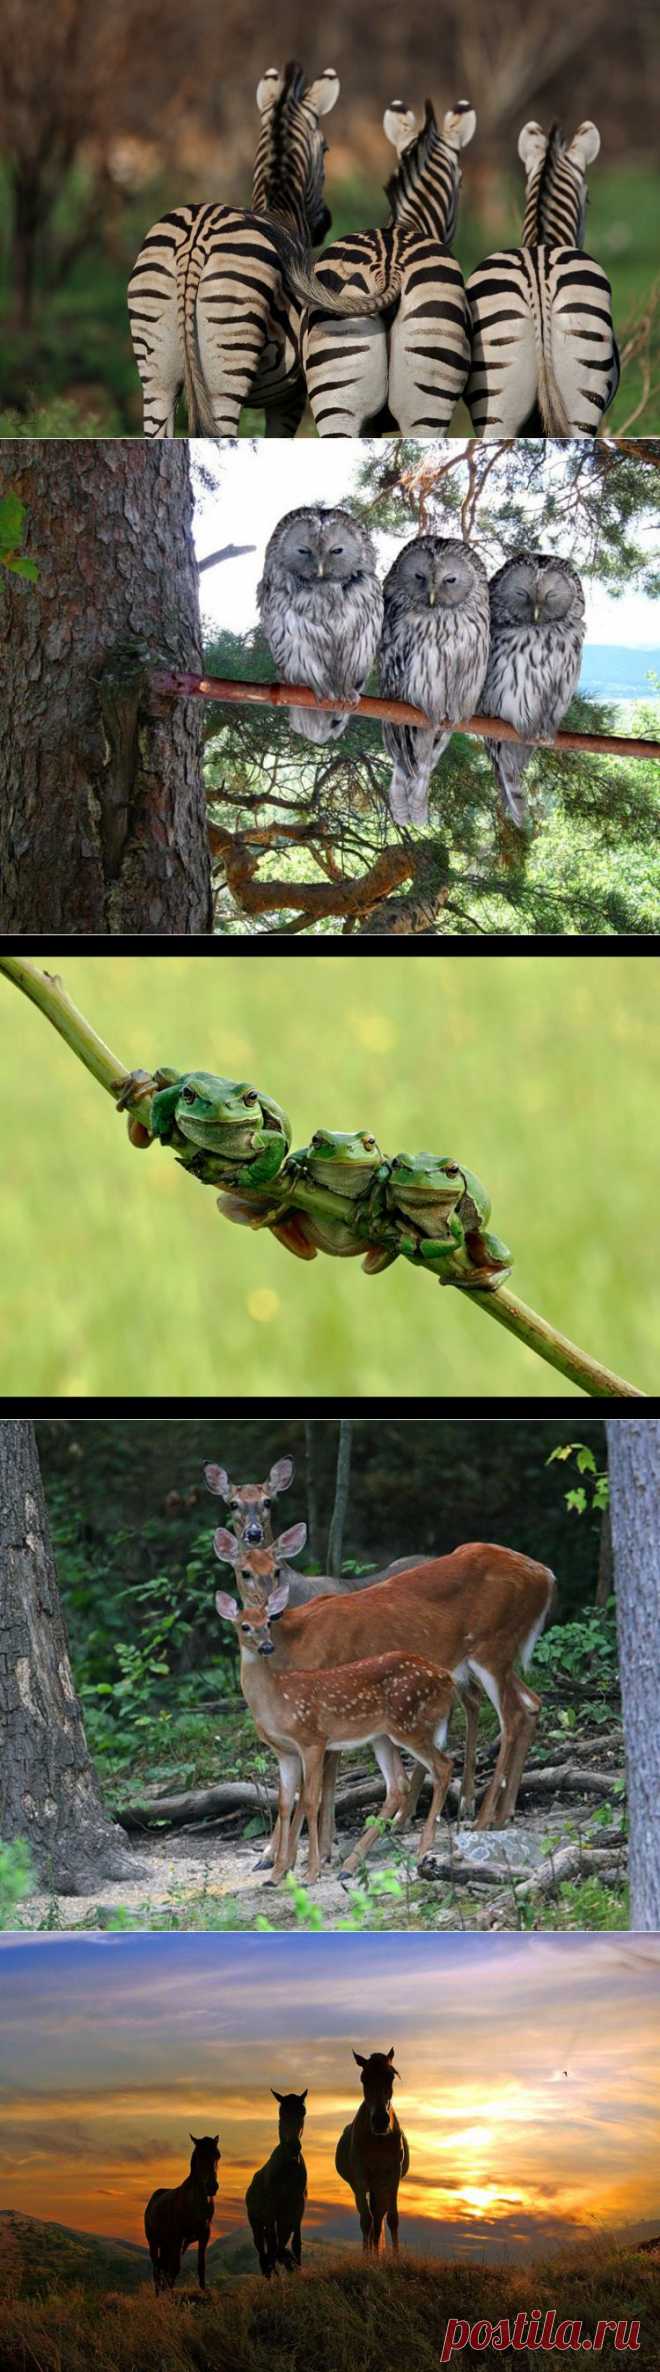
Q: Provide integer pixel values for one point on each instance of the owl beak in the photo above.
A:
(320, 568)
(432, 597)
(537, 611)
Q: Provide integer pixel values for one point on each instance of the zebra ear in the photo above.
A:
(270, 88)
(459, 125)
(532, 146)
(324, 93)
(584, 146)
(400, 125)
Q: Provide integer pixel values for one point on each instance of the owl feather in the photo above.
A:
(321, 610)
(537, 627)
(434, 651)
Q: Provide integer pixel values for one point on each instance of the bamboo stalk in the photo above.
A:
(217, 687)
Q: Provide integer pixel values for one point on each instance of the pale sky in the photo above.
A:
(261, 482)
(528, 2076)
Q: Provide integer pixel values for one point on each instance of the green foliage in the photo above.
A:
(13, 515)
(592, 1497)
(16, 1878)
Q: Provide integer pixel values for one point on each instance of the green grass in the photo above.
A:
(347, 2317)
(120, 1277)
(73, 372)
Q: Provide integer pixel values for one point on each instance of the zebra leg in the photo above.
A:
(345, 366)
(152, 309)
(502, 387)
(283, 413)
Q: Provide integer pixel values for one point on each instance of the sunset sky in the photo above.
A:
(112, 2048)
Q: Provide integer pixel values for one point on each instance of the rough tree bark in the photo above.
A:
(48, 1792)
(634, 1468)
(605, 1569)
(102, 810)
(338, 1518)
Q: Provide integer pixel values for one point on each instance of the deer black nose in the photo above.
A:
(254, 1532)
(267, 1647)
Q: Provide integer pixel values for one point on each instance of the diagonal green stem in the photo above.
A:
(48, 993)
(45, 990)
(556, 1348)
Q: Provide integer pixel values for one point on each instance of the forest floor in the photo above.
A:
(560, 1863)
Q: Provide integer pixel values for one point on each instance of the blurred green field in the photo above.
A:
(120, 1278)
(73, 374)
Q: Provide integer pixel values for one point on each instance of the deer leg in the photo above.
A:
(517, 1711)
(327, 1820)
(470, 1695)
(441, 1767)
(312, 1762)
(289, 1769)
(390, 1764)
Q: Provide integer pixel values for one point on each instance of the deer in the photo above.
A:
(474, 1614)
(174, 2219)
(372, 2153)
(300, 1714)
(250, 1507)
(277, 2195)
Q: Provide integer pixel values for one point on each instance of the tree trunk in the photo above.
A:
(634, 1469)
(28, 216)
(605, 1583)
(312, 1491)
(338, 1519)
(48, 1792)
(102, 810)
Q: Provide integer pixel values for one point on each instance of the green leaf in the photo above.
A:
(586, 1462)
(22, 568)
(12, 521)
(578, 1500)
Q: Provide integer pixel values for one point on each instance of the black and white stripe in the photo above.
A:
(544, 355)
(217, 293)
(408, 367)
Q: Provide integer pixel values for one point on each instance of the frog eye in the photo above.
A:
(189, 1095)
(451, 1169)
(369, 1144)
(250, 1096)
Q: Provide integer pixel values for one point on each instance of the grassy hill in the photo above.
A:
(347, 2316)
(38, 2257)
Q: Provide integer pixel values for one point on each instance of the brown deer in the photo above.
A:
(398, 1696)
(250, 1506)
(372, 2153)
(473, 1614)
(277, 2195)
(174, 2219)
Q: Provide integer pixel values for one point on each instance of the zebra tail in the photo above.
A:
(555, 418)
(199, 408)
(299, 270)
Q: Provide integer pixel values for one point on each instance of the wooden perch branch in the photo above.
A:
(216, 687)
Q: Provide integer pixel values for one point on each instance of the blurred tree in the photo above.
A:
(340, 1503)
(633, 1446)
(103, 820)
(48, 1792)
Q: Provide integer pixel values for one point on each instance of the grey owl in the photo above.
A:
(537, 627)
(433, 653)
(321, 608)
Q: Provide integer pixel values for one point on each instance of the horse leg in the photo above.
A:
(201, 2261)
(366, 2220)
(296, 2244)
(377, 2217)
(393, 2221)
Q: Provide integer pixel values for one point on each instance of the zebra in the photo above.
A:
(217, 293)
(407, 367)
(544, 355)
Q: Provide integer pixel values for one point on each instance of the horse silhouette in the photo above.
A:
(276, 2196)
(173, 2220)
(372, 2153)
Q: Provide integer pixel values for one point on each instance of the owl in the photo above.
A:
(321, 609)
(433, 652)
(537, 627)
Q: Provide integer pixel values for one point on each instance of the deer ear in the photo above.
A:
(459, 126)
(292, 1541)
(360, 2061)
(270, 88)
(226, 1546)
(324, 93)
(279, 1598)
(532, 144)
(226, 1606)
(399, 125)
(281, 1474)
(584, 146)
(218, 1480)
